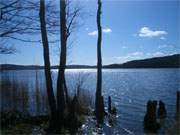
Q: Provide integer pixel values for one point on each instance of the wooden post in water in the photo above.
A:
(178, 105)
(109, 104)
(150, 120)
(162, 110)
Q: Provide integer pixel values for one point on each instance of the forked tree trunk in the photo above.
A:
(99, 103)
(61, 72)
(49, 86)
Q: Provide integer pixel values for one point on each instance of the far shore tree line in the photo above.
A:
(27, 18)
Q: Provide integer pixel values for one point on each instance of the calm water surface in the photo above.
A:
(130, 90)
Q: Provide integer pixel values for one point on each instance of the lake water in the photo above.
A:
(130, 90)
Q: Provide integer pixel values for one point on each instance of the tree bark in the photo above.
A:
(99, 103)
(49, 86)
(61, 72)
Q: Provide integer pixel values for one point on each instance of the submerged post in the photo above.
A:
(162, 110)
(109, 104)
(150, 120)
(178, 105)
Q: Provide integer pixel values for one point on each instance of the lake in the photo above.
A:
(130, 90)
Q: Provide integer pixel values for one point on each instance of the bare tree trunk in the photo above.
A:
(49, 86)
(99, 103)
(61, 72)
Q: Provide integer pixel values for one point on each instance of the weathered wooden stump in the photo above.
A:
(150, 120)
(109, 104)
(111, 109)
(162, 110)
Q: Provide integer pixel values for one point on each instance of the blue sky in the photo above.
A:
(131, 30)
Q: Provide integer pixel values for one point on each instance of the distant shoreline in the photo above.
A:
(94, 68)
(172, 61)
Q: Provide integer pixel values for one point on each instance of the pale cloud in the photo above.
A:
(147, 32)
(157, 54)
(166, 46)
(87, 28)
(137, 54)
(140, 55)
(95, 33)
(106, 30)
(130, 56)
(122, 58)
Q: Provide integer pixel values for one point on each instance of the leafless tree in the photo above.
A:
(68, 17)
(48, 77)
(23, 19)
(19, 21)
(5, 49)
(99, 103)
(61, 72)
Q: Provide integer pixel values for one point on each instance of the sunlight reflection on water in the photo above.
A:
(130, 90)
